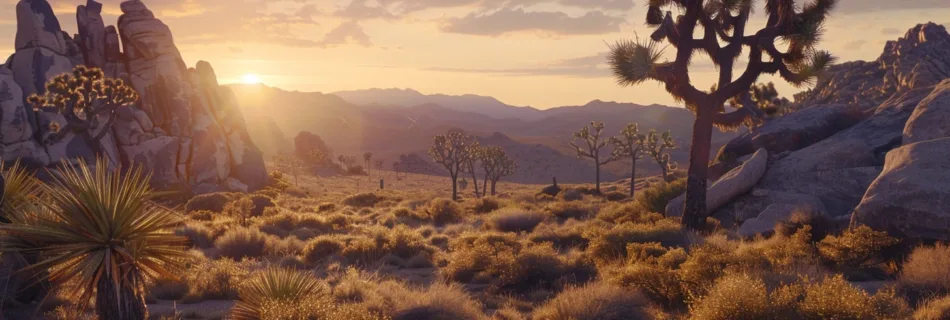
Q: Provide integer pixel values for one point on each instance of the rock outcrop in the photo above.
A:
(185, 128)
(872, 168)
(735, 183)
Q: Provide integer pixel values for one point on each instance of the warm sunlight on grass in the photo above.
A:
(251, 78)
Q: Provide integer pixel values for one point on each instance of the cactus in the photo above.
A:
(723, 38)
(450, 150)
(592, 150)
(629, 144)
(83, 97)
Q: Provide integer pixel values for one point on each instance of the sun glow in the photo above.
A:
(251, 78)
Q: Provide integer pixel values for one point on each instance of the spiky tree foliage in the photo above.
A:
(470, 164)
(451, 150)
(98, 231)
(20, 189)
(594, 142)
(766, 98)
(723, 38)
(656, 146)
(84, 97)
(629, 145)
(496, 164)
(275, 287)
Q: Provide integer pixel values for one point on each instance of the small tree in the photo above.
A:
(469, 164)
(593, 148)
(367, 158)
(83, 98)
(450, 150)
(240, 209)
(291, 163)
(723, 39)
(655, 146)
(629, 145)
(496, 165)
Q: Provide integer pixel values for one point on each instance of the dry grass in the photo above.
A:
(514, 220)
(596, 301)
(926, 273)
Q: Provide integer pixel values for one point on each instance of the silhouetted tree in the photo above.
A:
(594, 144)
(496, 164)
(84, 97)
(367, 159)
(289, 162)
(469, 164)
(723, 39)
(655, 146)
(629, 144)
(450, 151)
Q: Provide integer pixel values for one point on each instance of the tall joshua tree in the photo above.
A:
(629, 144)
(84, 97)
(469, 164)
(595, 142)
(450, 150)
(655, 146)
(367, 159)
(496, 164)
(724, 37)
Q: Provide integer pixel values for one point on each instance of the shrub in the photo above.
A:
(735, 297)
(217, 279)
(572, 194)
(514, 220)
(835, 298)
(656, 197)
(569, 210)
(240, 209)
(596, 301)
(240, 243)
(926, 273)
(165, 289)
(213, 202)
(261, 203)
(612, 243)
(856, 248)
(197, 234)
(443, 211)
(275, 287)
(486, 205)
(936, 309)
(821, 225)
(568, 235)
(362, 200)
(326, 206)
(320, 248)
(439, 301)
(201, 215)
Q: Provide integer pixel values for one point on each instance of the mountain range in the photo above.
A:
(394, 122)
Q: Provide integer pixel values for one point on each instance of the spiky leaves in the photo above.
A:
(656, 146)
(496, 164)
(633, 61)
(629, 143)
(275, 287)
(592, 136)
(20, 189)
(98, 229)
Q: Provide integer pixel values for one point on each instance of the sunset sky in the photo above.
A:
(542, 53)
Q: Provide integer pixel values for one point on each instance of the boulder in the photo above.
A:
(764, 224)
(92, 33)
(160, 155)
(911, 197)
(931, 118)
(795, 131)
(752, 205)
(16, 130)
(733, 184)
(37, 27)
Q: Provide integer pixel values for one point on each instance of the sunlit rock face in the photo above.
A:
(185, 128)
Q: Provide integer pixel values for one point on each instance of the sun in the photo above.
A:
(251, 78)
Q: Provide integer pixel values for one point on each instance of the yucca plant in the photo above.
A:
(275, 287)
(98, 231)
(19, 189)
(785, 46)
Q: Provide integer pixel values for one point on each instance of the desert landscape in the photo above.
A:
(137, 186)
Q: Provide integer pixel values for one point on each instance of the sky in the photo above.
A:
(540, 53)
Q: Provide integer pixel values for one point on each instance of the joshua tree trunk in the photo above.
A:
(493, 182)
(633, 177)
(485, 185)
(475, 181)
(455, 192)
(597, 172)
(694, 212)
(123, 304)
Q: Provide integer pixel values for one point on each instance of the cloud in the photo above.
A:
(346, 32)
(593, 66)
(514, 20)
(855, 45)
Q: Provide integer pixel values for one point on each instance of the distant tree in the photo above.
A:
(629, 145)
(594, 143)
(304, 145)
(655, 146)
(463, 184)
(450, 151)
(291, 163)
(396, 167)
(342, 160)
(496, 164)
(469, 163)
(367, 159)
(766, 98)
(794, 28)
(84, 97)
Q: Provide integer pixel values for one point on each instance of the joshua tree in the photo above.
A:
(84, 97)
(99, 232)
(450, 150)
(724, 38)
(655, 146)
(292, 163)
(593, 147)
(367, 158)
(629, 145)
(472, 157)
(496, 165)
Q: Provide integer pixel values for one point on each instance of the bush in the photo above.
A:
(261, 203)
(326, 206)
(835, 298)
(926, 273)
(856, 248)
(240, 209)
(320, 248)
(627, 212)
(201, 215)
(735, 297)
(656, 197)
(240, 243)
(276, 290)
(596, 301)
(217, 279)
(937, 309)
(568, 235)
(569, 210)
(486, 205)
(443, 211)
(439, 301)
(213, 202)
(572, 194)
(362, 200)
(197, 234)
(606, 245)
(514, 220)
(821, 225)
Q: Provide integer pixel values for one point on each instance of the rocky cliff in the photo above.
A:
(185, 128)
(870, 143)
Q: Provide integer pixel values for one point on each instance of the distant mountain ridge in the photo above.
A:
(395, 97)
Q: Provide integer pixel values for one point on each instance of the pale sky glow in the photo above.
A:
(542, 53)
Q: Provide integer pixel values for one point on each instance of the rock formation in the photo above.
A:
(185, 128)
(852, 120)
(735, 183)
